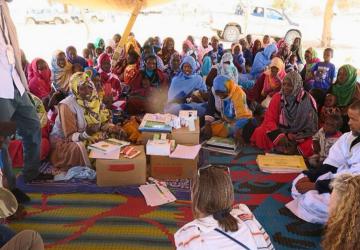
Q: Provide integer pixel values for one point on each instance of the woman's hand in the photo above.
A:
(92, 129)
(117, 129)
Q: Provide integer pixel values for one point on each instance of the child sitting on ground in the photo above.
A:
(325, 138)
(329, 108)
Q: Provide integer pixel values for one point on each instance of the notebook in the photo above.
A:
(274, 163)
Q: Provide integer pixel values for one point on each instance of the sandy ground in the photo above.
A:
(43, 40)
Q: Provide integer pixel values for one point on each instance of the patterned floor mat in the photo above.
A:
(123, 221)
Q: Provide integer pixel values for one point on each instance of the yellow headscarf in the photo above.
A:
(132, 42)
(40, 109)
(93, 112)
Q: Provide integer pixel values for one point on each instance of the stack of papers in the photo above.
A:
(274, 163)
(156, 123)
(186, 152)
(159, 147)
(222, 145)
(156, 195)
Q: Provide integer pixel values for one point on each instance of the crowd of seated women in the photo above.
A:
(270, 94)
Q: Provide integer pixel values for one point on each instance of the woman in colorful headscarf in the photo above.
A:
(82, 120)
(187, 90)
(284, 51)
(347, 90)
(174, 66)
(311, 59)
(203, 49)
(257, 47)
(61, 71)
(132, 68)
(269, 83)
(132, 44)
(39, 80)
(74, 58)
(296, 49)
(110, 82)
(290, 120)
(99, 43)
(233, 109)
(167, 51)
(260, 64)
(147, 51)
(262, 60)
(187, 47)
(148, 89)
(239, 60)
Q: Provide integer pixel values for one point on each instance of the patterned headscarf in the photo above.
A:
(344, 91)
(131, 42)
(234, 46)
(93, 112)
(271, 82)
(60, 77)
(228, 70)
(298, 111)
(164, 53)
(296, 81)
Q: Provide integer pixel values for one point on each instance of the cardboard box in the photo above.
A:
(164, 167)
(124, 171)
(145, 136)
(186, 137)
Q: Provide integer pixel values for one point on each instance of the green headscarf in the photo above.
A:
(97, 42)
(344, 92)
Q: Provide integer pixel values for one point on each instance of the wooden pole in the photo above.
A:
(328, 17)
(119, 49)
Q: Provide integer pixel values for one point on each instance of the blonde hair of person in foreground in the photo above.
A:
(343, 226)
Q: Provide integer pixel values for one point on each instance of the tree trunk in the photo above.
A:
(328, 17)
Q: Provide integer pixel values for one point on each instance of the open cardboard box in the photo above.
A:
(181, 135)
(124, 171)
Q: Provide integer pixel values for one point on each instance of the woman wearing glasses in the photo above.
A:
(218, 223)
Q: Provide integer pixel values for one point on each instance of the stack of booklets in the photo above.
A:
(160, 147)
(156, 123)
(274, 163)
(107, 149)
(156, 194)
(222, 145)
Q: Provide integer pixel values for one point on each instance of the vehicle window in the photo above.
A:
(273, 14)
(258, 12)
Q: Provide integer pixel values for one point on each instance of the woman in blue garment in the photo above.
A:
(187, 90)
(261, 61)
(73, 58)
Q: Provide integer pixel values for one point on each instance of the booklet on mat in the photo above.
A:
(185, 152)
(274, 163)
(156, 194)
(222, 145)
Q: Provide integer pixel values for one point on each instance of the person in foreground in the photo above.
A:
(218, 223)
(311, 190)
(342, 228)
(25, 240)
